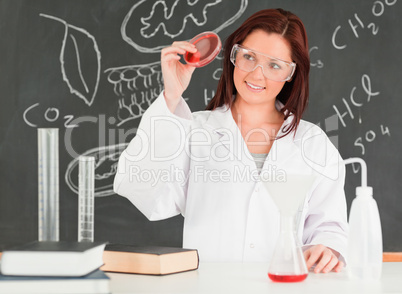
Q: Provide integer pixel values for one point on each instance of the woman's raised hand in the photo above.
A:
(176, 75)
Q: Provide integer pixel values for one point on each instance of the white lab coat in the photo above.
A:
(198, 164)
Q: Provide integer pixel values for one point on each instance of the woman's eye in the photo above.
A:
(248, 57)
(274, 65)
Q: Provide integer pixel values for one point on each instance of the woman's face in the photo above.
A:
(254, 87)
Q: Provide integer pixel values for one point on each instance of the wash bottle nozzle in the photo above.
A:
(362, 190)
(363, 166)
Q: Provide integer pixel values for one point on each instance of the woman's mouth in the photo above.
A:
(254, 88)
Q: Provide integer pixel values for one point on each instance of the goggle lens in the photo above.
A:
(273, 68)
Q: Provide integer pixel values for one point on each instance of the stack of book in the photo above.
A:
(54, 267)
(78, 267)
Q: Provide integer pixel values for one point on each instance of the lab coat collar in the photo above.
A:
(225, 129)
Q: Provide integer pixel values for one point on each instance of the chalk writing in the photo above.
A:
(369, 137)
(51, 114)
(366, 85)
(217, 74)
(356, 23)
(318, 63)
(356, 103)
(208, 96)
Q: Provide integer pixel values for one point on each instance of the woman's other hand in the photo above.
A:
(325, 259)
(176, 75)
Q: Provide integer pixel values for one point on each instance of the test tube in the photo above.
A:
(86, 198)
(48, 184)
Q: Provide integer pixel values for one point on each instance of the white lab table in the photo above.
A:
(252, 278)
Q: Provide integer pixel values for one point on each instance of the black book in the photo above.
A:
(47, 258)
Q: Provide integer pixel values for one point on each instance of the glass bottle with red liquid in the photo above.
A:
(288, 264)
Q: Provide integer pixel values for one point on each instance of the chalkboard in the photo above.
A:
(92, 67)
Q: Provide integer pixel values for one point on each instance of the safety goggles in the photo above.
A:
(273, 68)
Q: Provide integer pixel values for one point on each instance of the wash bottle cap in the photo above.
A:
(364, 191)
(208, 46)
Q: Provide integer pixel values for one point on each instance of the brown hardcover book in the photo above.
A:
(150, 260)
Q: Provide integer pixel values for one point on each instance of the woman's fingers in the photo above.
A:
(324, 258)
(313, 254)
(184, 45)
(326, 267)
(172, 51)
(176, 75)
(169, 57)
(179, 48)
(339, 266)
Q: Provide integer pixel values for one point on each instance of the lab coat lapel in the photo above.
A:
(226, 132)
(282, 149)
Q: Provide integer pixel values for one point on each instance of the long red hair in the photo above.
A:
(294, 94)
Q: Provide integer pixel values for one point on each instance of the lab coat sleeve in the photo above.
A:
(153, 170)
(326, 218)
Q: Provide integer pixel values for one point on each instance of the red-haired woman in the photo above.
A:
(208, 165)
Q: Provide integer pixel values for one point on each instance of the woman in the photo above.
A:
(210, 163)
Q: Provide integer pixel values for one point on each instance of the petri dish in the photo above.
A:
(208, 46)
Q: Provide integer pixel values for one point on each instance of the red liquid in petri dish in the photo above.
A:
(287, 278)
(193, 57)
(208, 47)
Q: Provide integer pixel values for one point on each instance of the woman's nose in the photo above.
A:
(258, 72)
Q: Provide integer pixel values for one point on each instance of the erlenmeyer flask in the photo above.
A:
(287, 263)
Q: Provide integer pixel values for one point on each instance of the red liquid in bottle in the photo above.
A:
(287, 278)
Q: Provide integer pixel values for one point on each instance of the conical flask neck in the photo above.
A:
(287, 223)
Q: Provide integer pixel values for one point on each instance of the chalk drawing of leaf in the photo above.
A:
(106, 158)
(80, 61)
